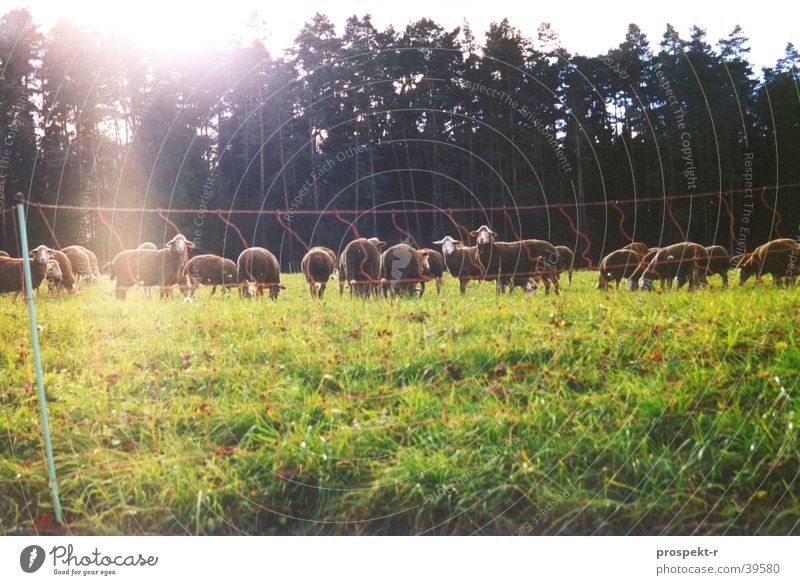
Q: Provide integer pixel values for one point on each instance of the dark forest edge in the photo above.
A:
(409, 118)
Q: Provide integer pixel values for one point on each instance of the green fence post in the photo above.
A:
(48, 447)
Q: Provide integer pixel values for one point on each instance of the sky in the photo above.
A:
(588, 28)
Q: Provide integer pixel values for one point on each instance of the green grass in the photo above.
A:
(586, 413)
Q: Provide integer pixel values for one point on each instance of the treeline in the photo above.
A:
(422, 117)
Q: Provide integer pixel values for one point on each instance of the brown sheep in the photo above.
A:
(616, 266)
(462, 262)
(432, 269)
(682, 261)
(164, 268)
(401, 270)
(260, 266)
(718, 263)
(780, 258)
(12, 278)
(318, 265)
(68, 279)
(75, 254)
(638, 247)
(211, 270)
(515, 263)
(53, 275)
(360, 266)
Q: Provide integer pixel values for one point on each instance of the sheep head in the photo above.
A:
(484, 235)
(179, 244)
(448, 245)
(379, 243)
(41, 254)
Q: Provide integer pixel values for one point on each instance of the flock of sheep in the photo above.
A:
(368, 268)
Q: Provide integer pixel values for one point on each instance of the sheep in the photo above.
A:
(513, 263)
(780, 258)
(147, 246)
(638, 247)
(360, 266)
(12, 278)
(401, 270)
(260, 266)
(164, 268)
(432, 269)
(54, 275)
(718, 263)
(616, 266)
(462, 262)
(210, 270)
(318, 265)
(80, 261)
(72, 252)
(681, 261)
(633, 280)
(68, 279)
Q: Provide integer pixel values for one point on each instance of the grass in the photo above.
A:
(585, 413)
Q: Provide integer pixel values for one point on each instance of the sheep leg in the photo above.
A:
(120, 292)
(463, 285)
(724, 276)
(321, 290)
(555, 285)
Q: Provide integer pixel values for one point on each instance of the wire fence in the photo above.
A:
(736, 219)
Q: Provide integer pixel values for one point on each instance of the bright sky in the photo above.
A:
(588, 28)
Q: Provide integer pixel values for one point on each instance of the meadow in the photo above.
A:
(586, 413)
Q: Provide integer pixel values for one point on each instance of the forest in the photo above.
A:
(358, 130)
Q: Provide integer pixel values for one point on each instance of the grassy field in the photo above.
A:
(585, 413)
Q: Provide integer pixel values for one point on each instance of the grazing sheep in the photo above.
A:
(462, 262)
(318, 265)
(638, 247)
(633, 280)
(360, 266)
(12, 278)
(780, 258)
(53, 275)
(164, 268)
(147, 246)
(4, 254)
(211, 270)
(681, 261)
(718, 263)
(401, 270)
(68, 279)
(616, 266)
(260, 266)
(514, 263)
(77, 265)
(81, 263)
(432, 269)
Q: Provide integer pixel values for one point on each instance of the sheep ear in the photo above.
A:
(438, 242)
(168, 244)
(493, 233)
(473, 233)
(424, 253)
(189, 244)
